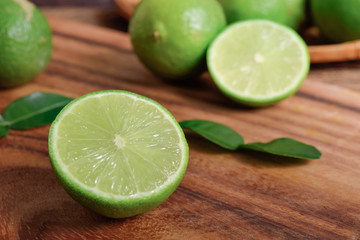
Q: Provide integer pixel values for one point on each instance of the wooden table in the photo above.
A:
(96, 12)
(224, 195)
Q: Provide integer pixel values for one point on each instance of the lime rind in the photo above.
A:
(105, 203)
(301, 66)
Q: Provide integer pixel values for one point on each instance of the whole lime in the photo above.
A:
(295, 10)
(337, 20)
(171, 37)
(286, 12)
(25, 42)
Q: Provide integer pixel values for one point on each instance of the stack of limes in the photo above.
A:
(130, 158)
(255, 62)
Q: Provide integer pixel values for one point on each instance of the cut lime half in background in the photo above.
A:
(117, 153)
(258, 62)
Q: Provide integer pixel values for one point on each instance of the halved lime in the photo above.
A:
(117, 153)
(258, 62)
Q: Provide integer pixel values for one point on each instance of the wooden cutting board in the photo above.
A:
(224, 194)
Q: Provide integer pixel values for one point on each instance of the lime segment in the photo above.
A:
(258, 62)
(117, 153)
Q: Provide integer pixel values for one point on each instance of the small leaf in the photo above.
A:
(285, 147)
(215, 132)
(4, 128)
(35, 110)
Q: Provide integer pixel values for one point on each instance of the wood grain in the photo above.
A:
(224, 194)
(348, 51)
(126, 7)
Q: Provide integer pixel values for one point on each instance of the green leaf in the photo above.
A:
(285, 147)
(215, 132)
(4, 128)
(229, 139)
(35, 110)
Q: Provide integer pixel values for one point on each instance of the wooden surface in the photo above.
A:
(95, 12)
(224, 194)
(340, 52)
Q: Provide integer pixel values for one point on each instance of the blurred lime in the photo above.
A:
(25, 42)
(258, 62)
(337, 20)
(295, 13)
(117, 153)
(287, 12)
(171, 36)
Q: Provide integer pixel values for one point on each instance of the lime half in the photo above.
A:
(258, 62)
(117, 153)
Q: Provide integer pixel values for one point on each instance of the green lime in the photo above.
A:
(117, 153)
(295, 10)
(287, 12)
(337, 20)
(25, 42)
(170, 37)
(258, 62)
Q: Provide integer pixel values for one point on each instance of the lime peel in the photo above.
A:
(28, 8)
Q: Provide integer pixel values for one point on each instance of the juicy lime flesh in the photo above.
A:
(120, 150)
(258, 60)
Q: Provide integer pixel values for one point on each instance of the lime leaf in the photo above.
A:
(215, 132)
(4, 128)
(227, 138)
(34, 110)
(285, 147)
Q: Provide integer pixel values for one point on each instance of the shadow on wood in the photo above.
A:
(35, 206)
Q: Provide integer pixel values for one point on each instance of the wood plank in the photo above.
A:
(104, 16)
(224, 194)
